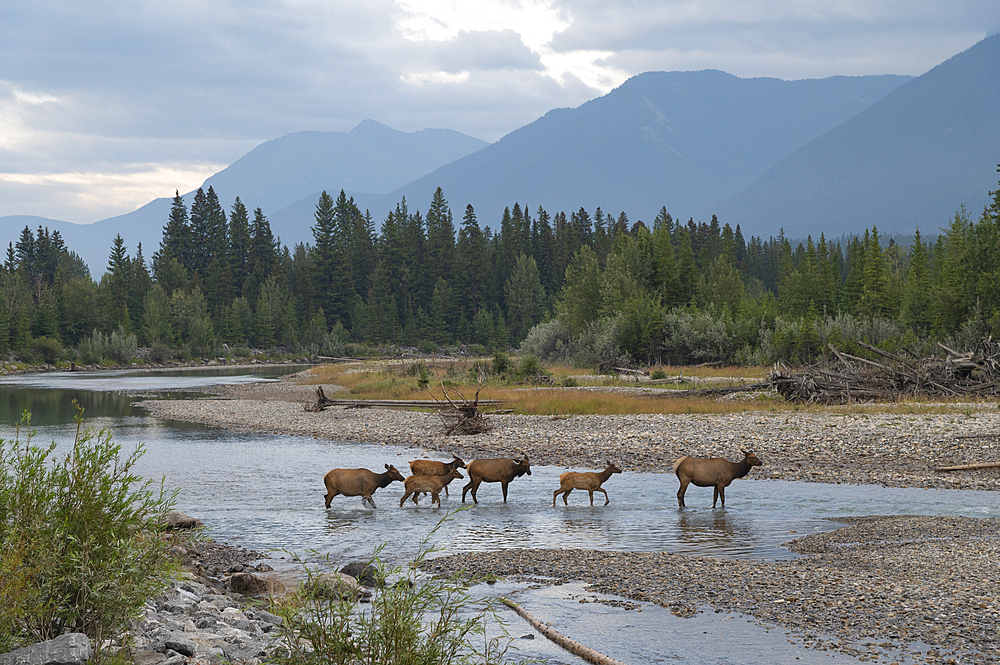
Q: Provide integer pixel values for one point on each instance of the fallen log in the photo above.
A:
(967, 467)
(322, 402)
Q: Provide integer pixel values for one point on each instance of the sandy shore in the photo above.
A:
(869, 590)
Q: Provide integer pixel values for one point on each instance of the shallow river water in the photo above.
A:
(266, 492)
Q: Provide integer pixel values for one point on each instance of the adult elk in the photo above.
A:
(587, 480)
(714, 472)
(429, 467)
(358, 482)
(432, 485)
(494, 471)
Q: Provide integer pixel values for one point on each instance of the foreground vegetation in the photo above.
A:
(81, 548)
(412, 619)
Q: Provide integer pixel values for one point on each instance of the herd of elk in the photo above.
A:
(430, 477)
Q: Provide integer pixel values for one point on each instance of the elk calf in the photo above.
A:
(428, 467)
(429, 484)
(714, 472)
(588, 480)
(358, 482)
(494, 471)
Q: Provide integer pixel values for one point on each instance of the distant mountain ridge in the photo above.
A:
(674, 139)
(907, 162)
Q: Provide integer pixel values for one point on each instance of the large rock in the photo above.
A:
(175, 520)
(249, 584)
(334, 585)
(69, 649)
(364, 573)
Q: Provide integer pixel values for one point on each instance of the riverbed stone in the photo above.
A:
(68, 649)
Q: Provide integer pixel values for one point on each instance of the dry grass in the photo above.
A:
(400, 380)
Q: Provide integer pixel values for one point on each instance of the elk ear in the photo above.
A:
(386, 467)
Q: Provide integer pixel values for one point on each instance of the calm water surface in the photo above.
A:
(266, 492)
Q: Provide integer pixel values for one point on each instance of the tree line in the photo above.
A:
(580, 288)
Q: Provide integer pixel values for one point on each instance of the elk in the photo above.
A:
(428, 467)
(358, 482)
(500, 470)
(714, 472)
(415, 485)
(588, 480)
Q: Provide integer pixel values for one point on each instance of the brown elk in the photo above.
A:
(714, 472)
(494, 471)
(588, 480)
(358, 482)
(429, 467)
(432, 485)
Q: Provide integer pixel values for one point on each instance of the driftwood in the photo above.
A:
(464, 417)
(967, 467)
(322, 402)
(843, 377)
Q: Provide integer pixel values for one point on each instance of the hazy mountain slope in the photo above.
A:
(370, 158)
(907, 162)
(679, 139)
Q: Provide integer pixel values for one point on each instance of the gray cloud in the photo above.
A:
(108, 88)
(804, 38)
(487, 49)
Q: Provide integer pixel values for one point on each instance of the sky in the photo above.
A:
(106, 105)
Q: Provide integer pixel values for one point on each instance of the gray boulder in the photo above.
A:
(69, 649)
(176, 520)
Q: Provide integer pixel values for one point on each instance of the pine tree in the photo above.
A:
(917, 297)
(176, 239)
(525, 297)
(119, 278)
(239, 245)
(440, 259)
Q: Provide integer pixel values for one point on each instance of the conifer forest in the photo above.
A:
(582, 288)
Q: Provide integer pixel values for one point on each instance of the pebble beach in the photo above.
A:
(882, 589)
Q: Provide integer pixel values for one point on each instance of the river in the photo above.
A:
(265, 492)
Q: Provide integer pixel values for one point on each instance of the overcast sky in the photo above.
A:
(106, 105)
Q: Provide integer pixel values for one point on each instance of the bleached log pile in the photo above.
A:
(843, 377)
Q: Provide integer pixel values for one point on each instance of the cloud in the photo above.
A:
(782, 38)
(151, 91)
(487, 49)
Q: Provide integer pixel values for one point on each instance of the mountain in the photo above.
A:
(674, 139)
(369, 158)
(908, 161)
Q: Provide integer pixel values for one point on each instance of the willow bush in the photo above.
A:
(80, 543)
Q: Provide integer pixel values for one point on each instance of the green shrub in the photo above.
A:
(46, 348)
(529, 369)
(501, 363)
(79, 542)
(413, 620)
(658, 374)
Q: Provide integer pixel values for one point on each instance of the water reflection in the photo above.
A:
(715, 531)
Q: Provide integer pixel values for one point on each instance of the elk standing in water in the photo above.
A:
(714, 472)
(588, 480)
(358, 482)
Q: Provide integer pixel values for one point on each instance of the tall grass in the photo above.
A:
(79, 543)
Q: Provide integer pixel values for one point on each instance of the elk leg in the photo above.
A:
(722, 495)
(436, 498)
(405, 497)
(680, 494)
(329, 497)
(367, 498)
(566, 496)
(591, 493)
(606, 499)
(503, 485)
